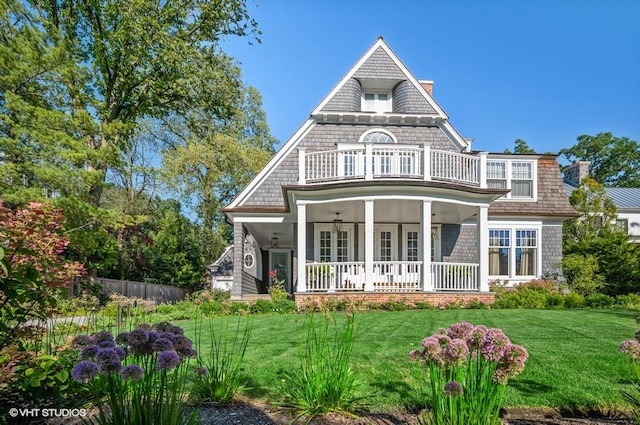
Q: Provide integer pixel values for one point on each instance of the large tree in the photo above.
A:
(615, 161)
(76, 76)
(208, 160)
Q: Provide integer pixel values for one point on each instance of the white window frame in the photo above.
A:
(319, 227)
(377, 239)
(509, 178)
(378, 106)
(513, 227)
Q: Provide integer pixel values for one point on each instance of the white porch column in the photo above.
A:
(426, 162)
(425, 237)
(368, 245)
(482, 171)
(302, 247)
(368, 161)
(483, 249)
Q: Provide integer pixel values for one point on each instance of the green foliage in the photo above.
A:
(595, 234)
(218, 375)
(521, 147)
(599, 301)
(46, 376)
(266, 306)
(581, 272)
(324, 381)
(615, 161)
(574, 300)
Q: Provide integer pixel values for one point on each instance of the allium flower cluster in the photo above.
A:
(632, 349)
(453, 389)
(463, 342)
(162, 344)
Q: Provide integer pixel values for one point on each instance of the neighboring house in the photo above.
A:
(220, 273)
(626, 200)
(378, 193)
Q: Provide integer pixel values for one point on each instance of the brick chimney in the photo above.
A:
(427, 85)
(576, 172)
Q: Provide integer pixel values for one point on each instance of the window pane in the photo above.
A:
(325, 246)
(526, 252)
(342, 246)
(499, 247)
(412, 246)
(521, 189)
(382, 96)
(497, 184)
(496, 170)
(385, 246)
(369, 96)
(349, 165)
(521, 171)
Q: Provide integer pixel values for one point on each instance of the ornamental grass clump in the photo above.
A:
(142, 374)
(324, 381)
(218, 376)
(468, 367)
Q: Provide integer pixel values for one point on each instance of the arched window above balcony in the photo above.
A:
(378, 136)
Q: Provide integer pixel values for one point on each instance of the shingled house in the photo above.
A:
(377, 193)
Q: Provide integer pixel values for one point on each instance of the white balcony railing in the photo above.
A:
(398, 161)
(454, 276)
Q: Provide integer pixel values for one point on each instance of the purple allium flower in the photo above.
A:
(89, 352)
(514, 358)
(132, 372)
(477, 338)
(144, 326)
(494, 345)
(122, 338)
(187, 352)
(176, 330)
(106, 344)
(432, 351)
(108, 360)
(631, 348)
(167, 360)
(101, 336)
(201, 371)
(456, 352)
(139, 342)
(453, 389)
(80, 341)
(460, 330)
(122, 352)
(84, 371)
(170, 336)
(500, 375)
(162, 344)
(162, 326)
(414, 354)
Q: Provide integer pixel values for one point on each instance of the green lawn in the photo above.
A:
(574, 360)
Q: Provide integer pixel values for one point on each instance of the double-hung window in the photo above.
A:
(514, 252)
(518, 176)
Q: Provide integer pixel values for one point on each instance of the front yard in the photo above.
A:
(574, 362)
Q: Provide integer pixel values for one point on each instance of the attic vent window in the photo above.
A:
(377, 137)
(378, 102)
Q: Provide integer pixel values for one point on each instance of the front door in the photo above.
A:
(280, 262)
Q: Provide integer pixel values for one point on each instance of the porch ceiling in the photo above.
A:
(389, 211)
(264, 232)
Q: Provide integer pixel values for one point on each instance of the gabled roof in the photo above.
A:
(394, 69)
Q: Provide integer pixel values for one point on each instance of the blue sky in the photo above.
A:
(543, 71)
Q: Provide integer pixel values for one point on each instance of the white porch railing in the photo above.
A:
(398, 161)
(397, 276)
(454, 276)
(390, 276)
(337, 276)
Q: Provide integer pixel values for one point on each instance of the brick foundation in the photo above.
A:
(436, 299)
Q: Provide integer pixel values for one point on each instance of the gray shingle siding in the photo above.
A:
(551, 249)
(380, 66)
(324, 137)
(459, 243)
(408, 100)
(347, 99)
(238, 254)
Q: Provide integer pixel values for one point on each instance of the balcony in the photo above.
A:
(370, 162)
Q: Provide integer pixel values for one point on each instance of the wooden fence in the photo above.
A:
(147, 291)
